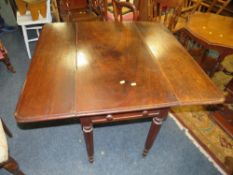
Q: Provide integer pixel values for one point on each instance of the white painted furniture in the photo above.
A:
(26, 22)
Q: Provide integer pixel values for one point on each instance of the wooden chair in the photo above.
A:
(190, 6)
(166, 12)
(5, 59)
(99, 7)
(74, 11)
(216, 6)
(6, 161)
(126, 10)
(117, 10)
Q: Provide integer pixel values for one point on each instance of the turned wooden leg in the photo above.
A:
(154, 130)
(182, 37)
(12, 166)
(204, 53)
(217, 65)
(8, 64)
(88, 136)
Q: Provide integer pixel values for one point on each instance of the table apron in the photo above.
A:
(126, 116)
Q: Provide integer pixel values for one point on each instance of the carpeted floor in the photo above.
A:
(201, 124)
(60, 149)
(199, 121)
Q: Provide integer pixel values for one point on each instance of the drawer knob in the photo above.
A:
(144, 113)
(109, 117)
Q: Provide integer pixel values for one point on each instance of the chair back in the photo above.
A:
(116, 7)
(165, 11)
(100, 8)
(191, 6)
(214, 6)
(132, 5)
(73, 4)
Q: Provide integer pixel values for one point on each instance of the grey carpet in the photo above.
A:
(60, 149)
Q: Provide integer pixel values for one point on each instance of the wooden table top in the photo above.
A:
(97, 68)
(212, 28)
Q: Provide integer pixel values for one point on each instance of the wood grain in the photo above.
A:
(123, 57)
(212, 28)
(189, 83)
(49, 88)
(96, 68)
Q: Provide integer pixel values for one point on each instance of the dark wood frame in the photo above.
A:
(100, 7)
(118, 6)
(6, 59)
(158, 116)
(94, 104)
(8, 64)
(157, 13)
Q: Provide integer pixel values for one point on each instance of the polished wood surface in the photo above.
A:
(212, 28)
(103, 72)
(49, 88)
(208, 32)
(81, 70)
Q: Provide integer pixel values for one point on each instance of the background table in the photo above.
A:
(213, 32)
(104, 72)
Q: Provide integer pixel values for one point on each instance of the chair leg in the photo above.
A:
(12, 166)
(8, 64)
(25, 36)
(38, 32)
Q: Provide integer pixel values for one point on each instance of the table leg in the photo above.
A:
(88, 136)
(154, 130)
(204, 52)
(217, 65)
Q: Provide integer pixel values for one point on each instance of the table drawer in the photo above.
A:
(125, 116)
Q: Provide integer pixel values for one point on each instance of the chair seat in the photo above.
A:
(126, 17)
(3, 145)
(125, 10)
(127, 13)
(27, 19)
